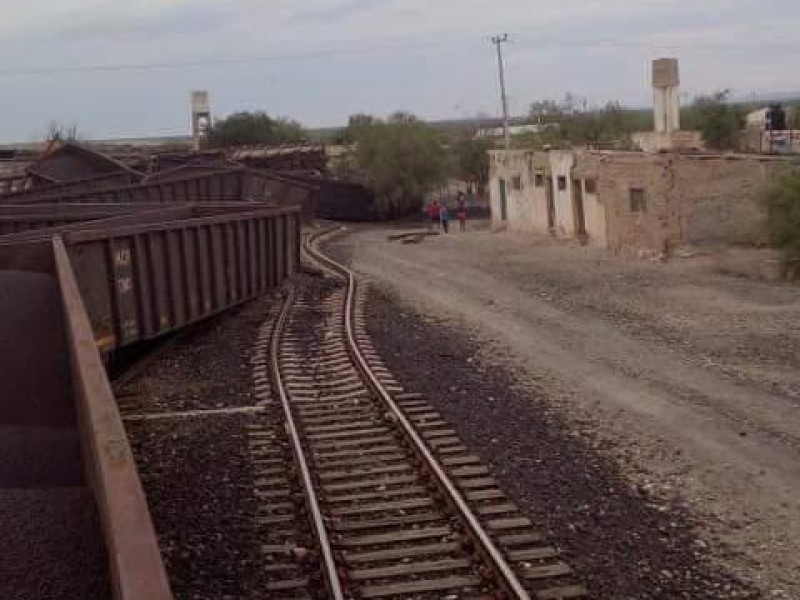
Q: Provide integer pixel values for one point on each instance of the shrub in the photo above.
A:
(720, 121)
(782, 201)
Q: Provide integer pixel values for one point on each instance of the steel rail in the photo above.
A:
(330, 572)
(475, 530)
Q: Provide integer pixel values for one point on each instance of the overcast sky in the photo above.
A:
(321, 60)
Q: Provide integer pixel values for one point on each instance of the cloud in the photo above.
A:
(335, 57)
(142, 20)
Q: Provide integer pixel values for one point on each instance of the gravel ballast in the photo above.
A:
(622, 541)
(198, 481)
(206, 367)
(197, 468)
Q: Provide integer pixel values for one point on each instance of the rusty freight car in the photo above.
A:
(72, 507)
(70, 495)
(148, 273)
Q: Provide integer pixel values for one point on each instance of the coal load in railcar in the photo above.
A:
(206, 158)
(306, 157)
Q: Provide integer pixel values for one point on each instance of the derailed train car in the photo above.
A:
(147, 273)
(339, 200)
(103, 284)
(181, 186)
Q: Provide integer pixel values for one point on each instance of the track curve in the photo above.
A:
(400, 507)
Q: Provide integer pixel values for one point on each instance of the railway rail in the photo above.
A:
(399, 506)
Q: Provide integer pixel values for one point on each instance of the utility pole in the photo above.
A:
(498, 40)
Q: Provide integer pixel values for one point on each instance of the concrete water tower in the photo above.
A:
(666, 95)
(201, 117)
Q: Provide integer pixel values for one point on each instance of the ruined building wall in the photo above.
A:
(635, 190)
(638, 201)
(526, 203)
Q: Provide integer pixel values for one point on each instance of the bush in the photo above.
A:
(782, 201)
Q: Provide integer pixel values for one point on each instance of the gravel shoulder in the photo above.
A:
(683, 379)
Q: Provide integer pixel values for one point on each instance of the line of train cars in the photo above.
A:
(71, 173)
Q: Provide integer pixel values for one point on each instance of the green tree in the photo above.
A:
(356, 125)
(782, 201)
(719, 121)
(401, 159)
(471, 160)
(247, 128)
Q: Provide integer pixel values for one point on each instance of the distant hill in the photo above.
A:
(769, 98)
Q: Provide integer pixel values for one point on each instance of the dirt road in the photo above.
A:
(687, 377)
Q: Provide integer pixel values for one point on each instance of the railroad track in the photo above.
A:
(398, 505)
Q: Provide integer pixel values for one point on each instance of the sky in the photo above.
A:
(125, 69)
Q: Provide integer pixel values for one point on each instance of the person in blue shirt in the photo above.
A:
(444, 217)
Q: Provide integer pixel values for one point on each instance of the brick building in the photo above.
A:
(632, 200)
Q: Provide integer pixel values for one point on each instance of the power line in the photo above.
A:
(158, 65)
(549, 43)
(543, 43)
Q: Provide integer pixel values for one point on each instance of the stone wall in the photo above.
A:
(695, 200)
(720, 197)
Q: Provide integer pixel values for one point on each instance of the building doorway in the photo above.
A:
(577, 208)
(503, 201)
(551, 205)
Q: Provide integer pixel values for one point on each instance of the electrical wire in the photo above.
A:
(520, 39)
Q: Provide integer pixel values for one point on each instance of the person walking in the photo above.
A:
(444, 217)
(461, 207)
(434, 210)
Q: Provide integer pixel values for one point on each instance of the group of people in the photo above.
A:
(439, 213)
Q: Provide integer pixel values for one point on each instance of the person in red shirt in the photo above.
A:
(434, 209)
